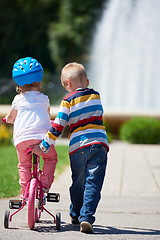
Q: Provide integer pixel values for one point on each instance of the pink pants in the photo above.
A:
(25, 164)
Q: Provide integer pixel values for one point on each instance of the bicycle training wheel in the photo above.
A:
(58, 221)
(31, 203)
(6, 219)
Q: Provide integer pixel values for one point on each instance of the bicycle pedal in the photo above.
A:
(53, 197)
(15, 204)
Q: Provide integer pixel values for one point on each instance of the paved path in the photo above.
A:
(129, 208)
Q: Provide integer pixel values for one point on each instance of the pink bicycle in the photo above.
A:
(34, 198)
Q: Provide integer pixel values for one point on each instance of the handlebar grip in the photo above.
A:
(4, 120)
(29, 150)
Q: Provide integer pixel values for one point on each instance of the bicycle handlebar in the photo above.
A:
(4, 120)
(29, 150)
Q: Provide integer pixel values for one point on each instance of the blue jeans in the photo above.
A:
(88, 167)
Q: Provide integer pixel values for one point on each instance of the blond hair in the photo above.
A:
(28, 87)
(73, 71)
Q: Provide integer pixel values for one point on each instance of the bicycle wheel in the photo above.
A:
(31, 203)
(6, 219)
(58, 221)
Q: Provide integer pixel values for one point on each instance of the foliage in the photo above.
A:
(7, 90)
(53, 31)
(9, 177)
(50, 86)
(109, 134)
(23, 27)
(5, 135)
(70, 35)
(143, 130)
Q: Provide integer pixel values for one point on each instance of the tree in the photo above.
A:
(70, 35)
(23, 30)
(52, 31)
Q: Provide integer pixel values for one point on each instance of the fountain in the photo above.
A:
(125, 58)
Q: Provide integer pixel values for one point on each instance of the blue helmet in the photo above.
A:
(26, 71)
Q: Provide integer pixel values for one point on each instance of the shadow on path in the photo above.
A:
(125, 231)
(98, 229)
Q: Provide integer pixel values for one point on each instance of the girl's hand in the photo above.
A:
(37, 150)
(11, 116)
(4, 120)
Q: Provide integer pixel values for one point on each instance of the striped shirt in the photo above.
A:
(82, 111)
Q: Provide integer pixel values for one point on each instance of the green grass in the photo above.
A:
(9, 178)
(63, 158)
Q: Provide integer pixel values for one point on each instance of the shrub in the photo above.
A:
(143, 130)
(109, 134)
(5, 135)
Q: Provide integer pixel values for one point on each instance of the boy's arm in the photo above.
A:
(11, 115)
(57, 128)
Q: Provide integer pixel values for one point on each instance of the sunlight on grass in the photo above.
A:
(9, 177)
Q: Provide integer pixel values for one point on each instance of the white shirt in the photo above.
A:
(33, 119)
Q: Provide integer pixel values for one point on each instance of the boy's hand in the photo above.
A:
(37, 150)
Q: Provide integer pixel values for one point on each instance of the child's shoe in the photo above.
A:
(44, 200)
(74, 220)
(86, 227)
(45, 190)
(22, 197)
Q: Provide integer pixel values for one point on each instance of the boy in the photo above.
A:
(88, 147)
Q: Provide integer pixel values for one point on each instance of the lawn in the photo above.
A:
(9, 185)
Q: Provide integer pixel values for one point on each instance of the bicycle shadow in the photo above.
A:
(46, 226)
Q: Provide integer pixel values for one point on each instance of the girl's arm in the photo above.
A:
(11, 115)
(48, 110)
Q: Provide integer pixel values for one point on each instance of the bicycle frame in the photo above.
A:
(33, 192)
(39, 195)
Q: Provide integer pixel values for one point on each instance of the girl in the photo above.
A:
(31, 119)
